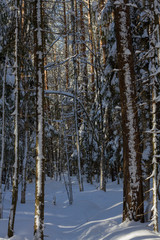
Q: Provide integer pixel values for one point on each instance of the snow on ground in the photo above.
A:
(94, 215)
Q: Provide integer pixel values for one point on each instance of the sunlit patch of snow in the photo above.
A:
(94, 215)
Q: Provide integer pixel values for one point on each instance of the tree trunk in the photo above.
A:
(23, 189)
(66, 44)
(3, 136)
(100, 109)
(70, 192)
(154, 160)
(84, 69)
(75, 92)
(76, 26)
(154, 66)
(133, 193)
(92, 47)
(16, 133)
(39, 71)
(103, 34)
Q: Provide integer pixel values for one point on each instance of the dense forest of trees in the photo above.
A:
(79, 88)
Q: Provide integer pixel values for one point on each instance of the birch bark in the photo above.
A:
(154, 66)
(39, 76)
(154, 160)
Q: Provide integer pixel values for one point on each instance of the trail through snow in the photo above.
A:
(94, 215)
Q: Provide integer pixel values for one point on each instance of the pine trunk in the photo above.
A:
(133, 195)
(84, 69)
(92, 48)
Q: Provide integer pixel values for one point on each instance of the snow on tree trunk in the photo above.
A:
(133, 195)
(3, 136)
(16, 133)
(154, 71)
(39, 76)
(154, 160)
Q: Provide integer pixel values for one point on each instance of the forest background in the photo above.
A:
(80, 94)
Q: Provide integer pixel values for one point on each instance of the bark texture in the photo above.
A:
(16, 133)
(39, 75)
(154, 66)
(133, 196)
(75, 67)
(3, 137)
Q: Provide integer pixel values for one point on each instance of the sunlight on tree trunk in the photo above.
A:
(133, 195)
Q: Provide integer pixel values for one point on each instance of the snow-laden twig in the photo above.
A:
(55, 64)
(50, 47)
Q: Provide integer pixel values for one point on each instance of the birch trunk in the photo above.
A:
(39, 71)
(154, 160)
(154, 65)
(133, 193)
(16, 133)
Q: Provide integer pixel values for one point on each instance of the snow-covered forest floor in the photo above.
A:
(94, 215)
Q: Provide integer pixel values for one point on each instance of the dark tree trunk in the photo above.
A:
(133, 193)
(16, 133)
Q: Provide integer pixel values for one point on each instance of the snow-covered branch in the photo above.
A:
(54, 64)
(68, 94)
